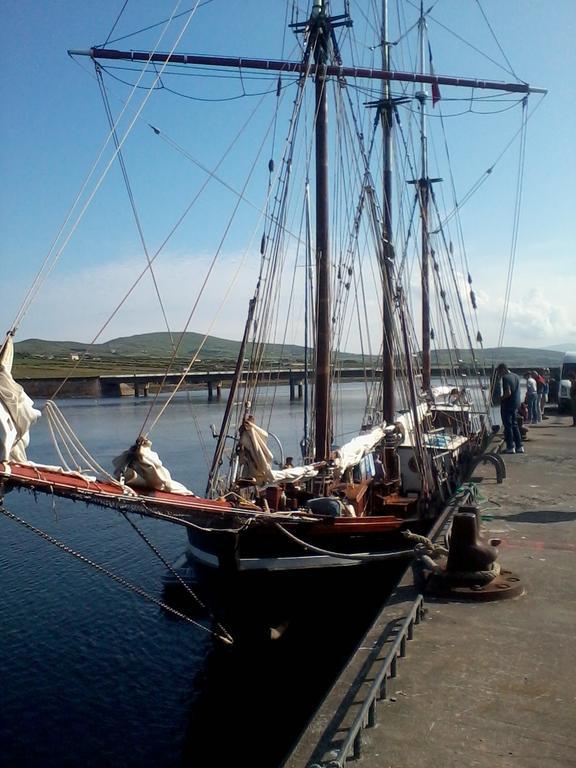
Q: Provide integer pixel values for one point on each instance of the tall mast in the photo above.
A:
(320, 31)
(424, 194)
(386, 112)
(321, 39)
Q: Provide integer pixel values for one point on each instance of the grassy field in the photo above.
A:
(37, 368)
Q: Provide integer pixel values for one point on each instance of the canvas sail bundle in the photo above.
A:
(141, 467)
(17, 412)
(352, 452)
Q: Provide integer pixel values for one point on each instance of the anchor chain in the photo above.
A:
(225, 637)
(175, 573)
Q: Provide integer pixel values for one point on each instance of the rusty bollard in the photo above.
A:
(471, 570)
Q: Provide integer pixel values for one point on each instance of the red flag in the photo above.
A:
(435, 87)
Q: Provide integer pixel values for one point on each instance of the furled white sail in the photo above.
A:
(141, 467)
(17, 412)
(294, 474)
(254, 455)
(353, 452)
(441, 391)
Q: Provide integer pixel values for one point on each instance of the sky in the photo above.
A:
(54, 127)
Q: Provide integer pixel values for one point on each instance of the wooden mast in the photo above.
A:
(386, 112)
(319, 24)
(423, 185)
(423, 193)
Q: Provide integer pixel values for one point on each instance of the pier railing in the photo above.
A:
(366, 717)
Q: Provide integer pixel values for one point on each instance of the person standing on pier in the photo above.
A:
(509, 404)
(532, 398)
(545, 392)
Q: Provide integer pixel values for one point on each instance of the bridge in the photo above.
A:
(139, 383)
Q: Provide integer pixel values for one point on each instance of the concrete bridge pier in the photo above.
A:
(141, 388)
(296, 388)
(214, 390)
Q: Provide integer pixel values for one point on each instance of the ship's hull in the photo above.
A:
(291, 546)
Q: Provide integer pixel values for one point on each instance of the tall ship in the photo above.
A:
(356, 252)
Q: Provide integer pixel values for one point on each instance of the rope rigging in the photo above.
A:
(64, 236)
(131, 198)
(357, 248)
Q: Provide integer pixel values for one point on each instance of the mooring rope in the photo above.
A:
(361, 556)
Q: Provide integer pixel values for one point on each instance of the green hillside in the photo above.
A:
(152, 351)
(151, 346)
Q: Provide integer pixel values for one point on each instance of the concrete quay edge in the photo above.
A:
(483, 684)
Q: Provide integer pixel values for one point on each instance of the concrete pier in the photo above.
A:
(482, 684)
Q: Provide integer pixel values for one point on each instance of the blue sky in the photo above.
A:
(54, 126)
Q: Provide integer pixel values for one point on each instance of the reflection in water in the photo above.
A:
(99, 677)
(255, 698)
(93, 676)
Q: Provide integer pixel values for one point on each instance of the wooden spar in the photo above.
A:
(217, 458)
(330, 70)
(322, 436)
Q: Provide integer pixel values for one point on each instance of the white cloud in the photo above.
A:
(76, 306)
(536, 316)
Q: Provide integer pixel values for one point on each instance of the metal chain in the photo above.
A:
(175, 573)
(226, 638)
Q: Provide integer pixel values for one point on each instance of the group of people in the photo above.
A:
(537, 388)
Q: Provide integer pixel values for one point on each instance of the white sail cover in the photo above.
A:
(17, 412)
(256, 458)
(254, 454)
(450, 395)
(141, 467)
(294, 474)
(353, 452)
(442, 391)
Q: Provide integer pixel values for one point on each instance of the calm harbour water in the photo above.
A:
(92, 675)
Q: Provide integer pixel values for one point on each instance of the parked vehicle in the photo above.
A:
(568, 366)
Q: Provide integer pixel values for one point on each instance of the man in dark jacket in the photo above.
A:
(509, 404)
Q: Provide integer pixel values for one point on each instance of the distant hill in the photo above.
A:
(157, 346)
(518, 357)
(569, 346)
(154, 346)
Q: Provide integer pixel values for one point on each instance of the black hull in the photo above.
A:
(267, 549)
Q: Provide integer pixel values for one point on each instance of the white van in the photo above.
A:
(568, 366)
